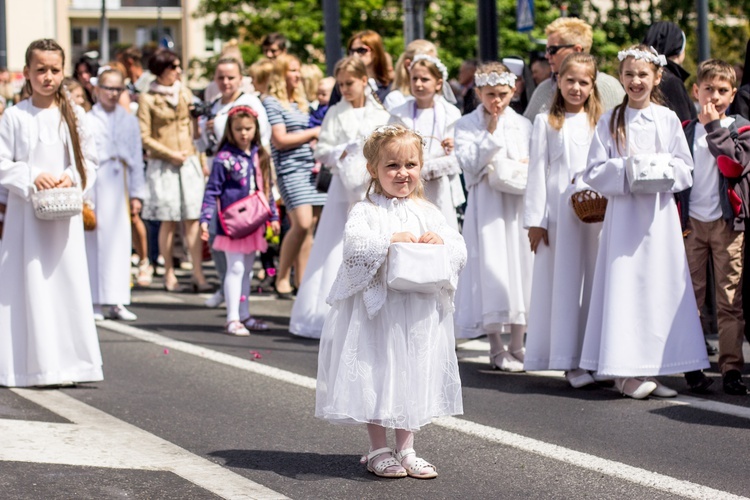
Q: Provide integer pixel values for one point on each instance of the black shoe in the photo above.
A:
(698, 382)
(733, 384)
(711, 350)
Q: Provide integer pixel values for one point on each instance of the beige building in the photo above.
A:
(75, 24)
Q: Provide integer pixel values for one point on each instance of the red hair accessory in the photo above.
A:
(243, 109)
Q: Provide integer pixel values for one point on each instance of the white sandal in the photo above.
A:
(254, 324)
(237, 329)
(420, 468)
(508, 362)
(381, 468)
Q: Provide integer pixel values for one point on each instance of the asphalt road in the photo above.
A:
(188, 412)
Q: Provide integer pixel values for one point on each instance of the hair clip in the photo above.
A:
(494, 78)
(652, 57)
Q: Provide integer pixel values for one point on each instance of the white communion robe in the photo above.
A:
(440, 172)
(118, 146)
(494, 287)
(344, 129)
(643, 318)
(564, 269)
(47, 330)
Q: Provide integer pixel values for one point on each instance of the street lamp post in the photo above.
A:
(704, 44)
(104, 35)
(332, 25)
(487, 29)
(413, 20)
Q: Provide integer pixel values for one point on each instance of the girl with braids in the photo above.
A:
(564, 247)
(47, 330)
(643, 319)
(387, 357)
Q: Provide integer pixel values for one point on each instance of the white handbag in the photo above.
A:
(418, 267)
(650, 173)
(57, 203)
(508, 176)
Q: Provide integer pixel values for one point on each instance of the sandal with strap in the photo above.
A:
(508, 362)
(381, 468)
(419, 467)
(254, 324)
(237, 329)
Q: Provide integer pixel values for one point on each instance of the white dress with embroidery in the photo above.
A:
(388, 357)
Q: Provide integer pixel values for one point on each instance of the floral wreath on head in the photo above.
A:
(494, 78)
(653, 56)
(446, 88)
(385, 129)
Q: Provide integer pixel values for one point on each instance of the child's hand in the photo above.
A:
(447, 145)
(276, 227)
(536, 236)
(64, 182)
(204, 231)
(405, 237)
(492, 124)
(708, 113)
(431, 238)
(45, 181)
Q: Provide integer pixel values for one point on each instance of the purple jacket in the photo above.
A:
(232, 178)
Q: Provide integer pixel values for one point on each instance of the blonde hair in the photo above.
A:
(260, 71)
(617, 122)
(716, 68)
(572, 31)
(592, 106)
(311, 77)
(434, 71)
(352, 65)
(277, 84)
(381, 137)
(402, 82)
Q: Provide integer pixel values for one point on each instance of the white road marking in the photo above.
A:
(97, 439)
(590, 462)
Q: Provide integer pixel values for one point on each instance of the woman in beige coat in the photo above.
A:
(174, 174)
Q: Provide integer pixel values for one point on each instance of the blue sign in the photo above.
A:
(525, 15)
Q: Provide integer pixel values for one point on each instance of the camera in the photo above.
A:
(201, 109)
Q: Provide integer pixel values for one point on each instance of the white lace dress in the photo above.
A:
(388, 357)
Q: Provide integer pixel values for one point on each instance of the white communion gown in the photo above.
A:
(564, 269)
(47, 330)
(388, 357)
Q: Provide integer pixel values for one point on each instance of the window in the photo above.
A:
(76, 37)
(93, 35)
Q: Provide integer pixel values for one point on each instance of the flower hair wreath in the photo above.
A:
(494, 78)
(446, 88)
(385, 129)
(652, 57)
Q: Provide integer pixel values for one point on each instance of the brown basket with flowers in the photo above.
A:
(589, 206)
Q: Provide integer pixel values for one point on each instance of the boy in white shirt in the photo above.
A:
(713, 214)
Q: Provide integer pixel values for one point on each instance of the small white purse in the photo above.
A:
(508, 176)
(650, 173)
(57, 203)
(418, 267)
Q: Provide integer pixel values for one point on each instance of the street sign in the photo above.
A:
(525, 15)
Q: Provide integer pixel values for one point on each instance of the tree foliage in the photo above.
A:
(451, 24)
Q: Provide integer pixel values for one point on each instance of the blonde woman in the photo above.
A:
(287, 111)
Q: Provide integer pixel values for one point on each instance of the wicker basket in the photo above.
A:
(57, 203)
(589, 206)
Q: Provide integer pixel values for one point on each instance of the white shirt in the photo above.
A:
(705, 204)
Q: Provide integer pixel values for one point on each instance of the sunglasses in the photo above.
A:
(175, 66)
(359, 50)
(554, 49)
(112, 89)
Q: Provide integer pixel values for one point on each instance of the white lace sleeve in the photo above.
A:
(365, 251)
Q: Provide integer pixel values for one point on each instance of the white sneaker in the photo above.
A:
(215, 300)
(119, 312)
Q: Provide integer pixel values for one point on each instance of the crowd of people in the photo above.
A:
(398, 208)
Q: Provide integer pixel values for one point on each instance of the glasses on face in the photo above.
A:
(359, 50)
(554, 49)
(175, 65)
(115, 90)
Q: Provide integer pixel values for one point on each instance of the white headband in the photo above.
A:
(494, 78)
(446, 88)
(652, 57)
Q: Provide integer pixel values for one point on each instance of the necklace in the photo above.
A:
(434, 121)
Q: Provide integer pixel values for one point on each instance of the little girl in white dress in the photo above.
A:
(387, 358)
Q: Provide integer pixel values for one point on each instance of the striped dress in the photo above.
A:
(295, 178)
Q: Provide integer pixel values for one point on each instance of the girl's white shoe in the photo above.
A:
(237, 329)
(635, 388)
(579, 378)
(661, 391)
(506, 362)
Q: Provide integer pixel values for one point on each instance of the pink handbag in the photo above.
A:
(242, 218)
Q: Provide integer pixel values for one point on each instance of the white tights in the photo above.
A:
(237, 284)
(516, 341)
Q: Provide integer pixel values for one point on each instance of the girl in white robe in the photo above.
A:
(118, 145)
(435, 119)
(387, 357)
(643, 318)
(493, 291)
(346, 126)
(564, 246)
(47, 330)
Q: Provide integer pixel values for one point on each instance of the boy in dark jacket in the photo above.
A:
(713, 213)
